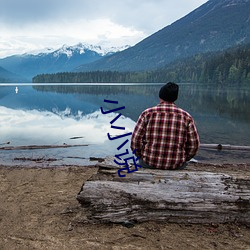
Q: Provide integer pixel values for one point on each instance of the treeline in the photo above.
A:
(231, 66)
(92, 77)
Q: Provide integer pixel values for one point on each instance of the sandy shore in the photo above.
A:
(38, 210)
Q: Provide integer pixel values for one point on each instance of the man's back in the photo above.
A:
(165, 136)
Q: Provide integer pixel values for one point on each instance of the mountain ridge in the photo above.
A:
(65, 58)
(9, 77)
(228, 67)
(215, 25)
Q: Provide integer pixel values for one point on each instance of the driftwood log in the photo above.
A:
(167, 196)
(30, 147)
(224, 147)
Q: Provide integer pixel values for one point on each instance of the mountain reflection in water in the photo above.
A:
(52, 114)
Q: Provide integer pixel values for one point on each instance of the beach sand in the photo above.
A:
(39, 210)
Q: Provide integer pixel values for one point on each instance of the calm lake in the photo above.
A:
(56, 114)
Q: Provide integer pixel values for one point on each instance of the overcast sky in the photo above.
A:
(27, 25)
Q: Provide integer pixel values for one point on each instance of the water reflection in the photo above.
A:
(52, 114)
(33, 127)
(224, 101)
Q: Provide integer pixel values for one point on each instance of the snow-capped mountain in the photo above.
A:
(63, 59)
(81, 48)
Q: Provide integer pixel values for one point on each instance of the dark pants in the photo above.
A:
(145, 165)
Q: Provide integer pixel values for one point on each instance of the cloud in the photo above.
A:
(38, 36)
(30, 24)
(142, 14)
(22, 12)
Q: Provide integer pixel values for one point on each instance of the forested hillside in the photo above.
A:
(231, 66)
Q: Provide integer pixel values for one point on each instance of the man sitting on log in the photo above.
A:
(165, 136)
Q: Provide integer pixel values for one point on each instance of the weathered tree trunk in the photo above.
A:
(29, 147)
(167, 196)
(224, 147)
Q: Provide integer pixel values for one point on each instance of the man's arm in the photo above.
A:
(193, 141)
(138, 135)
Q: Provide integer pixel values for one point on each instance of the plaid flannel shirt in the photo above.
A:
(165, 136)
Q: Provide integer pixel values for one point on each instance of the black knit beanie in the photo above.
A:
(169, 92)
